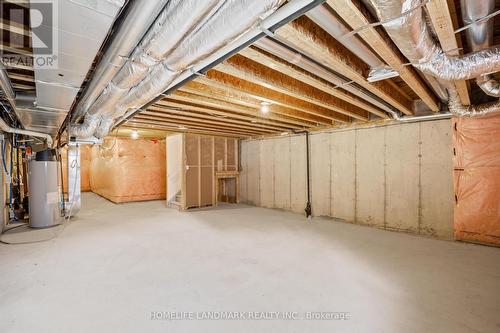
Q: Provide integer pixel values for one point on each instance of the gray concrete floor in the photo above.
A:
(115, 264)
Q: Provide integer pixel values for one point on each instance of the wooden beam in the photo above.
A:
(167, 118)
(15, 27)
(176, 127)
(308, 38)
(207, 119)
(185, 107)
(297, 73)
(444, 20)
(209, 109)
(267, 95)
(160, 110)
(381, 44)
(16, 50)
(254, 72)
(218, 91)
(21, 77)
(173, 130)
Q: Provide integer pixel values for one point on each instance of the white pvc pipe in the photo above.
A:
(6, 128)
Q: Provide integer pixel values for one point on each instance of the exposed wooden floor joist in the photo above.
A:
(241, 112)
(307, 78)
(309, 39)
(218, 91)
(444, 20)
(254, 72)
(381, 44)
(265, 94)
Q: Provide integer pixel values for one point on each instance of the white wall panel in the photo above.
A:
(267, 173)
(282, 173)
(370, 176)
(298, 177)
(437, 197)
(320, 174)
(343, 175)
(402, 177)
(253, 175)
(397, 177)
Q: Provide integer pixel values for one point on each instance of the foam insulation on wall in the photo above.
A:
(395, 177)
(476, 143)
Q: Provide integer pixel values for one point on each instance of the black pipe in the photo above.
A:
(308, 209)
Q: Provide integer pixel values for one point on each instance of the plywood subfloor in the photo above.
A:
(115, 264)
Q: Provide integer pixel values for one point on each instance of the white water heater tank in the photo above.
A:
(44, 196)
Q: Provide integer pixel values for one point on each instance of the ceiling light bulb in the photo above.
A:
(134, 134)
(264, 107)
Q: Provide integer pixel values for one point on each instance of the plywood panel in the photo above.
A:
(191, 149)
(437, 196)
(402, 177)
(298, 185)
(192, 183)
(220, 154)
(231, 153)
(207, 180)
(370, 186)
(343, 175)
(206, 151)
(282, 173)
(320, 174)
(267, 173)
(253, 172)
(244, 172)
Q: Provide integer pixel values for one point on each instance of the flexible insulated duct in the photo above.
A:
(406, 25)
(480, 36)
(137, 18)
(185, 32)
(457, 109)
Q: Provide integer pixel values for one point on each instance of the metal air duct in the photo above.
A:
(139, 16)
(406, 25)
(183, 34)
(480, 36)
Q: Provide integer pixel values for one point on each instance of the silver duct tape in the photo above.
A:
(412, 36)
(457, 109)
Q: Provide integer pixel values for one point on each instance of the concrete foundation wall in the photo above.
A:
(395, 177)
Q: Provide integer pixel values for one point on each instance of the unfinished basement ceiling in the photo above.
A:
(308, 79)
(311, 73)
(44, 96)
